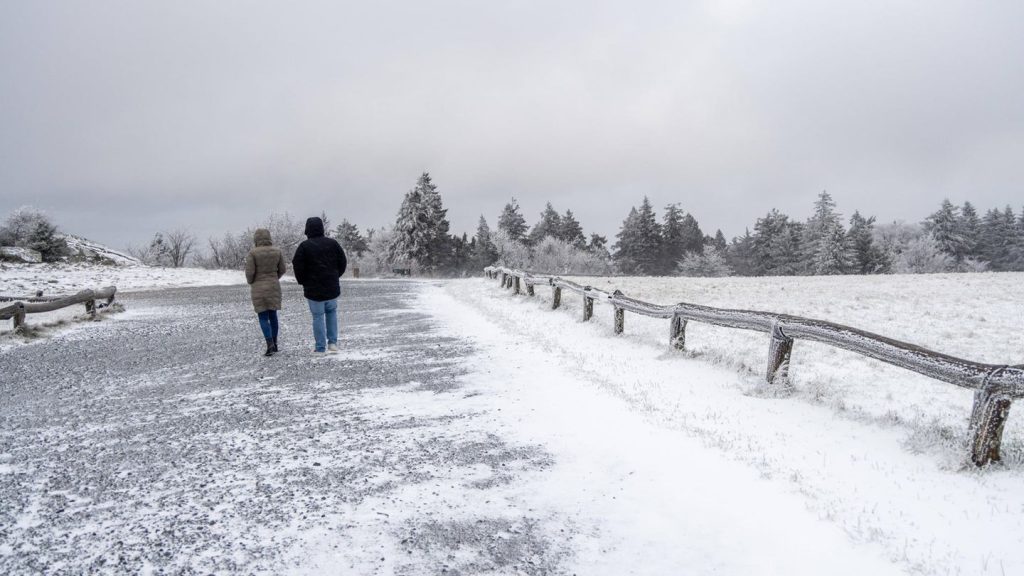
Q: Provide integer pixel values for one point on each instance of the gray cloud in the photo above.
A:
(122, 118)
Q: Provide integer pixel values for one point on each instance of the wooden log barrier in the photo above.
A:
(677, 332)
(985, 430)
(779, 352)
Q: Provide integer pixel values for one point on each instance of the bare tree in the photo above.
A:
(179, 245)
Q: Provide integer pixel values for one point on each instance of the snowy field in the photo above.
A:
(18, 279)
(874, 449)
(24, 280)
(464, 430)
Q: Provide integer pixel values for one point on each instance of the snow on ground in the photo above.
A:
(875, 450)
(20, 280)
(24, 280)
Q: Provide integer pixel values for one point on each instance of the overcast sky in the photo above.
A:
(124, 118)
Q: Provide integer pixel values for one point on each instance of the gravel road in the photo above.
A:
(161, 441)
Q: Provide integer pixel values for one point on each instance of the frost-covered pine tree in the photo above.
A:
(648, 241)
(970, 229)
(628, 240)
(833, 255)
(1003, 240)
(719, 242)
(571, 232)
(512, 223)
(410, 238)
(484, 252)
(820, 226)
(867, 256)
(550, 224)
(348, 235)
(777, 245)
(944, 226)
(439, 244)
(741, 254)
(672, 241)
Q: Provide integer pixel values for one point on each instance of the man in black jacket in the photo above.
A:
(318, 264)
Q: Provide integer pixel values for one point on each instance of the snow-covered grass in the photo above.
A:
(55, 279)
(973, 316)
(874, 449)
(23, 280)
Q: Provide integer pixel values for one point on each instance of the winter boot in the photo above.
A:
(270, 348)
(275, 344)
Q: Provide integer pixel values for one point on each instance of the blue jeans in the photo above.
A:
(325, 322)
(268, 323)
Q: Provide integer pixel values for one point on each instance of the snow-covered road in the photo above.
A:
(443, 439)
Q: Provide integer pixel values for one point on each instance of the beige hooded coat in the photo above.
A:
(264, 267)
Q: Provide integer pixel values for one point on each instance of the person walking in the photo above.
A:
(264, 267)
(318, 264)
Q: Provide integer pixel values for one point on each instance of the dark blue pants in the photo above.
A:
(268, 323)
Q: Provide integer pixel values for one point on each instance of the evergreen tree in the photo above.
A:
(550, 224)
(868, 257)
(692, 236)
(672, 241)
(410, 239)
(625, 254)
(944, 226)
(598, 244)
(484, 253)
(777, 245)
(512, 223)
(571, 232)
(719, 242)
(351, 239)
(970, 229)
(741, 254)
(833, 256)
(820, 236)
(648, 248)
(439, 244)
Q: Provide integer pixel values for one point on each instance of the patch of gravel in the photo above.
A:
(162, 441)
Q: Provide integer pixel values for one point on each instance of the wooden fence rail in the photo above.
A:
(19, 309)
(994, 386)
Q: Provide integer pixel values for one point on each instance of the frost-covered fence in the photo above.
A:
(20, 308)
(995, 386)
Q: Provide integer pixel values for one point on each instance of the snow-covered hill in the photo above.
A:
(85, 249)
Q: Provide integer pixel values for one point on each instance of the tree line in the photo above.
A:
(951, 239)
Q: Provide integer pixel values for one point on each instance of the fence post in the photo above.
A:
(779, 352)
(529, 289)
(588, 308)
(620, 320)
(986, 427)
(515, 281)
(90, 308)
(504, 279)
(556, 298)
(677, 332)
(19, 318)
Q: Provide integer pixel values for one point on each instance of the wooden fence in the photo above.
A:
(994, 386)
(36, 305)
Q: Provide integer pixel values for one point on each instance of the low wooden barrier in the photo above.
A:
(994, 386)
(35, 305)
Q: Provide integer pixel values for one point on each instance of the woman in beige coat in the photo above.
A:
(264, 267)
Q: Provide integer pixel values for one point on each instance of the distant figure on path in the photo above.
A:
(264, 267)
(318, 264)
